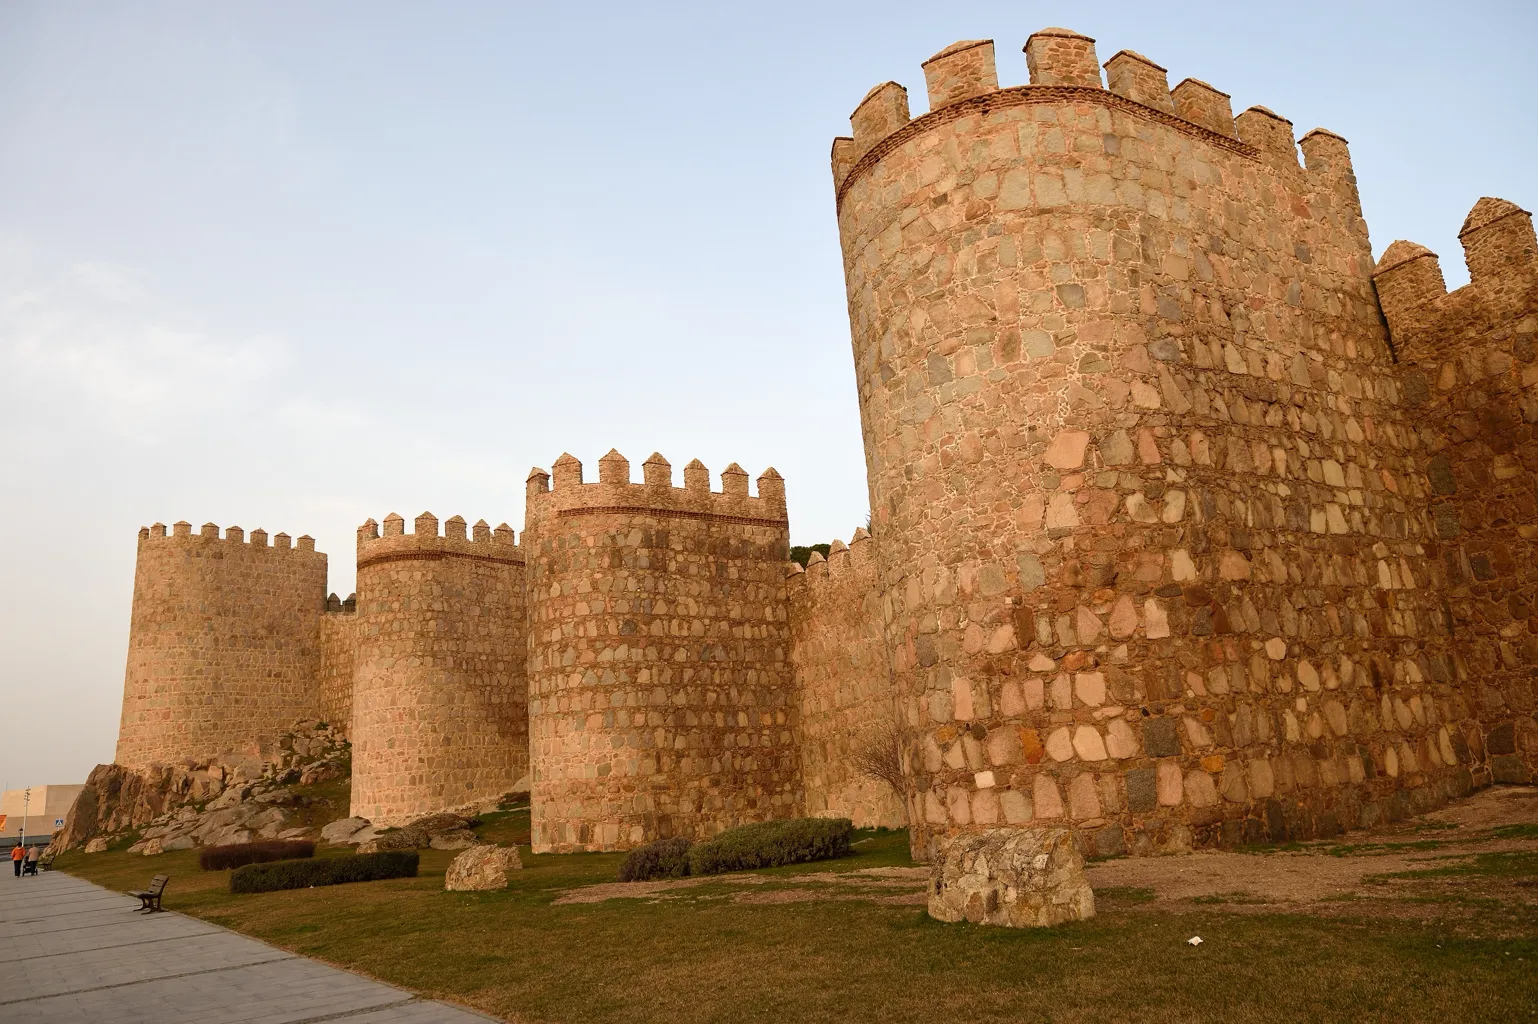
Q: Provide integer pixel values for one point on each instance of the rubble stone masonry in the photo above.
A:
(223, 646)
(1470, 373)
(338, 646)
(843, 679)
(439, 698)
(1190, 526)
(1152, 506)
(660, 697)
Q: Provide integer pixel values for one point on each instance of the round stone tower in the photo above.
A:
(1138, 468)
(439, 699)
(223, 645)
(660, 696)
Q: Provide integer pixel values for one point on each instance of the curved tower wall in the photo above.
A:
(1149, 508)
(439, 697)
(660, 696)
(223, 644)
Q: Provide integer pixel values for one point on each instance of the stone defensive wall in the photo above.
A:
(660, 690)
(1151, 505)
(223, 644)
(338, 644)
(843, 678)
(439, 706)
(1470, 373)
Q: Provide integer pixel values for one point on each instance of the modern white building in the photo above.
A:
(44, 810)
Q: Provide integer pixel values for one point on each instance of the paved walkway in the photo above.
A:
(72, 951)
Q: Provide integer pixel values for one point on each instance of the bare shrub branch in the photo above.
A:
(879, 757)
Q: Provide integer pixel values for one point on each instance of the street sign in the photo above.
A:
(58, 823)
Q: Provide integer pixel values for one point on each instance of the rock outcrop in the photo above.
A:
(482, 868)
(189, 804)
(1018, 878)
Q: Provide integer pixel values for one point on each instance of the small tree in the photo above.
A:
(802, 553)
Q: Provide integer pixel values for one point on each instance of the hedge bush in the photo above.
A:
(771, 843)
(219, 858)
(301, 874)
(665, 858)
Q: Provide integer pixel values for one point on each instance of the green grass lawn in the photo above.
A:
(698, 956)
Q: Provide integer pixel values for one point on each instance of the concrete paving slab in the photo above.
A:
(73, 952)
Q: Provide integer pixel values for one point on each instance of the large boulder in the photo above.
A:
(1015, 877)
(481, 868)
(454, 839)
(342, 831)
(408, 838)
(444, 821)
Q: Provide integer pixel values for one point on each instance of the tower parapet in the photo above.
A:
(1139, 79)
(1200, 103)
(960, 71)
(614, 492)
(223, 645)
(1059, 56)
(439, 695)
(660, 696)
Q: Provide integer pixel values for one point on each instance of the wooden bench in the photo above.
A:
(149, 899)
(45, 862)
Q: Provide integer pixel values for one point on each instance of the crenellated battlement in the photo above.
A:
(336, 606)
(857, 558)
(1501, 252)
(393, 543)
(209, 532)
(563, 491)
(962, 81)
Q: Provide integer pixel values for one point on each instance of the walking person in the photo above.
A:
(33, 853)
(17, 853)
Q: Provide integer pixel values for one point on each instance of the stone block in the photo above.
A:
(481, 868)
(342, 830)
(1142, 790)
(1015, 878)
(1160, 738)
(1505, 768)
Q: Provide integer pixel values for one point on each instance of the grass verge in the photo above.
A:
(706, 958)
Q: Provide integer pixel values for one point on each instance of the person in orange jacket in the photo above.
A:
(16, 855)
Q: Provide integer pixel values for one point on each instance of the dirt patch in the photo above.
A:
(1470, 868)
(642, 890)
(1336, 870)
(871, 884)
(1479, 853)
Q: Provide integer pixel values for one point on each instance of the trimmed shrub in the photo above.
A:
(301, 874)
(665, 858)
(771, 843)
(221, 858)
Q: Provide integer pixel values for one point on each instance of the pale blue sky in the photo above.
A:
(291, 265)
